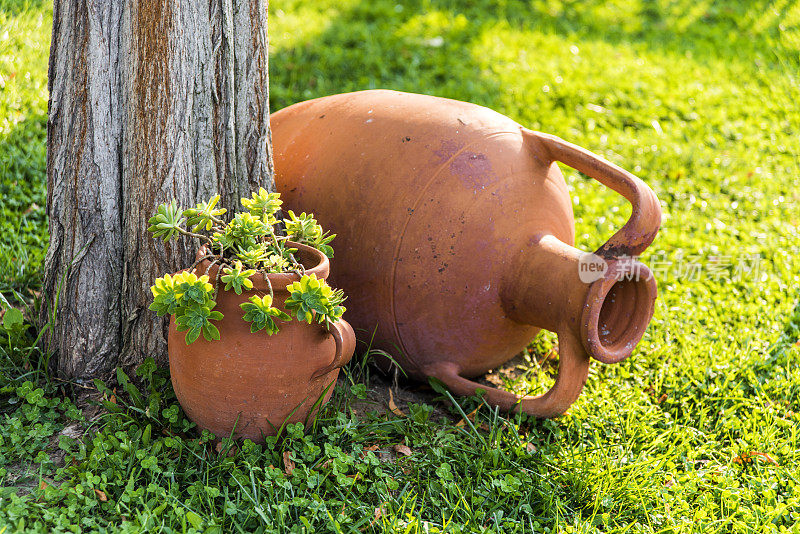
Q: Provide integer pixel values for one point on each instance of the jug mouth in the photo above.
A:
(617, 310)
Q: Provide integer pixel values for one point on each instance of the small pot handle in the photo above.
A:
(345, 340)
(645, 220)
(573, 369)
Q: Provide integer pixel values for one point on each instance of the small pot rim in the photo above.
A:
(278, 281)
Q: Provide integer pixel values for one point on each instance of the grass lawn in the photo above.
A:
(697, 432)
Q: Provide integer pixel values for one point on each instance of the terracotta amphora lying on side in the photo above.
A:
(455, 237)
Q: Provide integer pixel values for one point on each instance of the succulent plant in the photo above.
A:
(204, 216)
(304, 229)
(261, 315)
(237, 277)
(264, 205)
(243, 248)
(167, 222)
(190, 300)
(312, 299)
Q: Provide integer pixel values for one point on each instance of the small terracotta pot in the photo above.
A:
(253, 380)
(456, 233)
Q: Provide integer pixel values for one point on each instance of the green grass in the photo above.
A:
(697, 98)
(24, 45)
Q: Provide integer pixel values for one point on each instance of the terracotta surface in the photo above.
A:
(257, 378)
(455, 233)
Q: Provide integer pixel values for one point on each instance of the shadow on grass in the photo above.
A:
(23, 219)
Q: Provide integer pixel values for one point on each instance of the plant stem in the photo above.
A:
(192, 234)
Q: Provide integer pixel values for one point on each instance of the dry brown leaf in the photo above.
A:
(42, 485)
(378, 514)
(402, 449)
(288, 463)
(662, 398)
(231, 451)
(101, 495)
(373, 447)
(393, 407)
(530, 447)
(748, 457)
(669, 482)
(470, 416)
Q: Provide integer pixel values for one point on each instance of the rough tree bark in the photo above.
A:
(149, 100)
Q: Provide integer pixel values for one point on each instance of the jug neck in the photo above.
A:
(605, 302)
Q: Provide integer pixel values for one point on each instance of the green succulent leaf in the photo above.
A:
(254, 255)
(263, 205)
(167, 222)
(304, 229)
(196, 319)
(190, 288)
(190, 299)
(210, 332)
(312, 299)
(243, 233)
(246, 245)
(202, 217)
(275, 263)
(165, 298)
(261, 315)
(237, 278)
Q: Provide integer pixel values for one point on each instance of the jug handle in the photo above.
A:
(638, 233)
(345, 340)
(573, 369)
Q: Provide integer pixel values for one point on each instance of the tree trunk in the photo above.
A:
(149, 100)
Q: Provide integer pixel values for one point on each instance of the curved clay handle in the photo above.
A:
(573, 369)
(345, 347)
(640, 230)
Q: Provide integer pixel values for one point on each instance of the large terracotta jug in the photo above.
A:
(455, 237)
